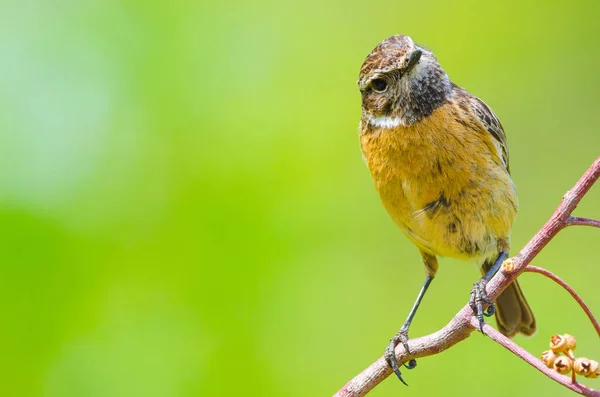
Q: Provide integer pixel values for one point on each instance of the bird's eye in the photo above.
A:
(379, 85)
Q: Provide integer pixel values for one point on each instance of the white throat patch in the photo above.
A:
(386, 121)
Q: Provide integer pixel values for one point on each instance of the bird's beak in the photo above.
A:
(413, 59)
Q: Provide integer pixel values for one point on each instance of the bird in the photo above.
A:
(438, 157)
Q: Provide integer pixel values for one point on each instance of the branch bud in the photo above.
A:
(508, 266)
(594, 373)
(562, 343)
(548, 357)
(586, 367)
(571, 342)
(563, 365)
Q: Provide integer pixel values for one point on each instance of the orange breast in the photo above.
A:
(443, 183)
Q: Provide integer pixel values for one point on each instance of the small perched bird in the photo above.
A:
(439, 159)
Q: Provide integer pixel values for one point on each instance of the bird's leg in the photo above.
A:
(479, 296)
(402, 335)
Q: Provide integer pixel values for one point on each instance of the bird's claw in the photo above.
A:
(478, 298)
(390, 354)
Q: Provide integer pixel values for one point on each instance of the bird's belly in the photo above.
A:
(448, 202)
(463, 226)
(455, 233)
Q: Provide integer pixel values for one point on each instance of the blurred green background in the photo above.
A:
(184, 210)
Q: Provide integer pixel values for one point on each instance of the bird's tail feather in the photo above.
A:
(513, 313)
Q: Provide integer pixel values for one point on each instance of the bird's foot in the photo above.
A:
(479, 297)
(390, 354)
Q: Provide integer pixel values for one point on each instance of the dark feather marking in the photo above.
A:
(433, 207)
(471, 247)
(463, 106)
(462, 122)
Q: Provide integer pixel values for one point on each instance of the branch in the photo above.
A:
(570, 290)
(535, 362)
(577, 221)
(461, 326)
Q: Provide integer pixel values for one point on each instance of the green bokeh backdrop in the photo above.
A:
(185, 211)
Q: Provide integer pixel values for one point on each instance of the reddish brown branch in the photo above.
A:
(535, 362)
(456, 330)
(570, 290)
(461, 325)
(577, 221)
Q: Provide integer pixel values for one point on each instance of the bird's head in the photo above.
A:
(401, 82)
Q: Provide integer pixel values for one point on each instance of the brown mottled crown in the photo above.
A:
(390, 54)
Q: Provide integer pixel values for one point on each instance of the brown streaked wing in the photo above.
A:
(490, 122)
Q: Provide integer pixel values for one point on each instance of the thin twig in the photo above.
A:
(577, 221)
(535, 362)
(570, 290)
(461, 325)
